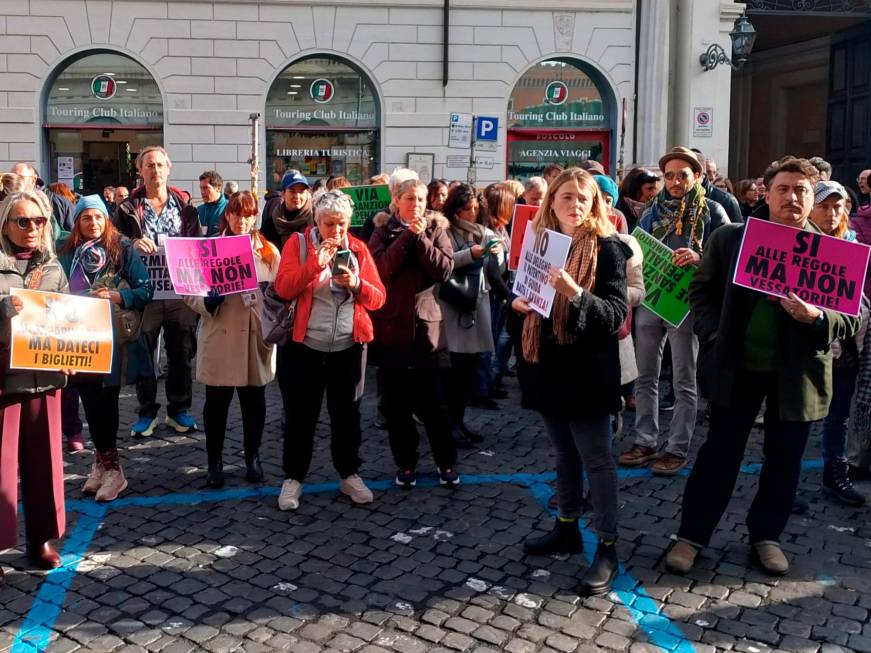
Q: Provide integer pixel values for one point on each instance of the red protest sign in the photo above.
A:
(824, 271)
(523, 213)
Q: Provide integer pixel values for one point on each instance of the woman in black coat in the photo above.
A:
(575, 367)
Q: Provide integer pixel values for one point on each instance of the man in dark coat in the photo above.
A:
(153, 212)
(756, 348)
(61, 208)
(723, 198)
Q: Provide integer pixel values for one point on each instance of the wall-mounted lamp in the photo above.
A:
(743, 37)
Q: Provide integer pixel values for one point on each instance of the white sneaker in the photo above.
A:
(95, 478)
(289, 497)
(356, 489)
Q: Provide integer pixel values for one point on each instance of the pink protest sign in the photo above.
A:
(196, 265)
(824, 271)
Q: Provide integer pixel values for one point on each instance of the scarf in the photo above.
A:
(635, 206)
(288, 223)
(689, 213)
(89, 258)
(581, 265)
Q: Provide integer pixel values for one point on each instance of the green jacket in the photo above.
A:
(722, 311)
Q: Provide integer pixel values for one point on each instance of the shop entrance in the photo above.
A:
(560, 111)
(101, 110)
(322, 118)
(531, 150)
(88, 160)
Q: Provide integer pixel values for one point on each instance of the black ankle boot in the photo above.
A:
(564, 538)
(254, 471)
(215, 477)
(598, 578)
(837, 483)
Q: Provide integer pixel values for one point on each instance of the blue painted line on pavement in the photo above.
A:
(36, 631)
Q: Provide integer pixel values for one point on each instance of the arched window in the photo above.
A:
(559, 112)
(322, 118)
(101, 109)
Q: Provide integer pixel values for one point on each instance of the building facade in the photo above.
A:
(355, 87)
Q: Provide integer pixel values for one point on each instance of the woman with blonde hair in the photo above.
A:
(30, 403)
(574, 369)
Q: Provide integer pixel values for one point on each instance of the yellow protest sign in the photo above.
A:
(56, 331)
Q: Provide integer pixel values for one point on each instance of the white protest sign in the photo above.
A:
(538, 254)
(158, 272)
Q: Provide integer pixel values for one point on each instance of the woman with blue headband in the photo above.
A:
(100, 262)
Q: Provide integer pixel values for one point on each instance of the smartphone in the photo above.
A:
(342, 259)
(492, 242)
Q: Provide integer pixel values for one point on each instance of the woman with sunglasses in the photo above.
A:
(100, 262)
(232, 355)
(30, 404)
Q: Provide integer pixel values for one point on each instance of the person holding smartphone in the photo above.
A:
(335, 284)
(469, 333)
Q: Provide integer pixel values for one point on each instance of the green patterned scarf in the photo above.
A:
(689, 213)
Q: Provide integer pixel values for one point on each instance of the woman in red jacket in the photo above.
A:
(335, 284)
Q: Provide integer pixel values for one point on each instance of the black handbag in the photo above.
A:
(463, 289)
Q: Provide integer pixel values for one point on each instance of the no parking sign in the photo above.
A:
(703, 122)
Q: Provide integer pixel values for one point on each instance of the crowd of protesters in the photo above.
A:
(422, 291)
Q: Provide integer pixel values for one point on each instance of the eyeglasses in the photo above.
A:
(24, 223)
(683, 175)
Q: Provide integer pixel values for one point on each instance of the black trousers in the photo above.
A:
(252, 404)
(461, 376)
(339, 374)
(179, 325)
(417, 390)
(101, 411)
(716, 470)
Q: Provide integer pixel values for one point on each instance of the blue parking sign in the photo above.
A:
(487, 128)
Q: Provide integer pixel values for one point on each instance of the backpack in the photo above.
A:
(276, 314)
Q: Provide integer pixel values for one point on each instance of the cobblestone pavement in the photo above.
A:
(172, 567)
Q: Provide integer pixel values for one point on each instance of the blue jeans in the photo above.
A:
(501, 337)
(835, 423)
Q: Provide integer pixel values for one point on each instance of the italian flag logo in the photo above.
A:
(556, 93)
(321, 91)
(103, 87)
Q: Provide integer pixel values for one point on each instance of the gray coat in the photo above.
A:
(17, 274)
(468, 334)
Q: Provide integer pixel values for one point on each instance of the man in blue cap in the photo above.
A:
(289, 213)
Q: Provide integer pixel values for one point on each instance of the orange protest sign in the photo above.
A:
(56, 331)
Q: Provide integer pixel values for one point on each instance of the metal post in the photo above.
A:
(472, 175)
(255, 166)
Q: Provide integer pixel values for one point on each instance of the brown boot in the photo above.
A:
(771, 558)
(637, 456)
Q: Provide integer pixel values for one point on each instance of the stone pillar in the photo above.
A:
(700, 23)
(653, 81)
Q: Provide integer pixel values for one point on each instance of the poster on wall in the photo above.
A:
(422, 164)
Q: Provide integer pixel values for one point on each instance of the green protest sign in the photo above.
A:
(368, 200)
(666, 285)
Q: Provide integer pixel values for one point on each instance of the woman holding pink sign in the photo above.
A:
(30, 403)
(574, 380)
(232, 356)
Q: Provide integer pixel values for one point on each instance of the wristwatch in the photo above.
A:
(576, 300)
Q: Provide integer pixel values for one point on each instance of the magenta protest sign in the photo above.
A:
(824, 271)
(197, 265)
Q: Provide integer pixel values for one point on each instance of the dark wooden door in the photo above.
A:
(848, 136)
